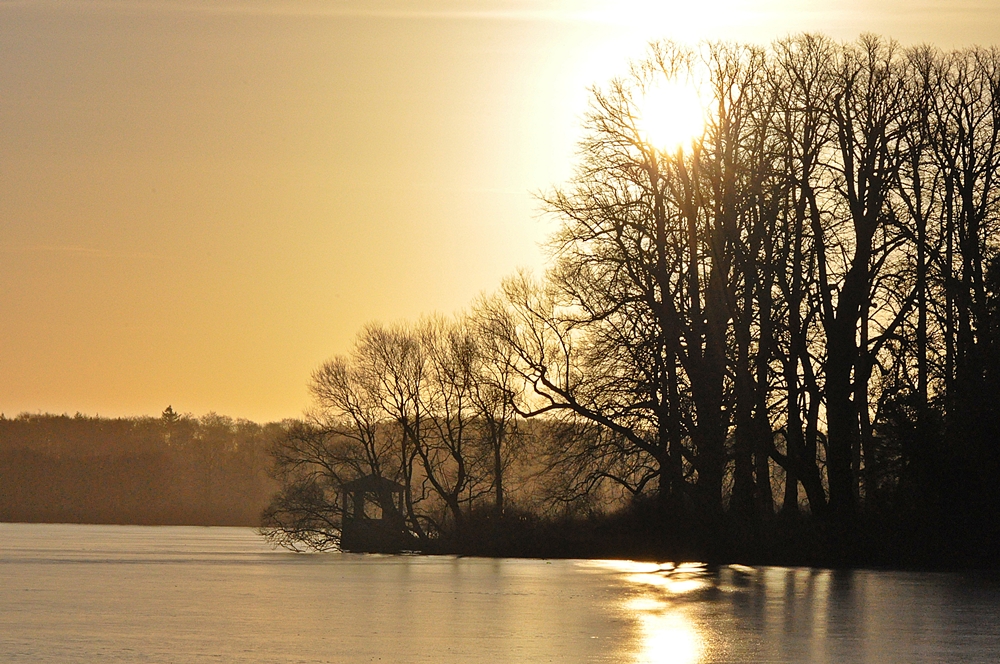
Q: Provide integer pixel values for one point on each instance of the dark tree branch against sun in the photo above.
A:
(774, 268)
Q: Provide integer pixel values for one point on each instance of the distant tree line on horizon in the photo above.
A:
(168, 470)
(798, 314)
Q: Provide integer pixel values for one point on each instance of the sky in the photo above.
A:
(203, 200)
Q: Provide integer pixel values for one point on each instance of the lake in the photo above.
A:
(72, 593)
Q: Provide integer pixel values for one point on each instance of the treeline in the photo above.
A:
(785, 334)
(175, 469)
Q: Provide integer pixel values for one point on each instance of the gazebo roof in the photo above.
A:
(372, 483)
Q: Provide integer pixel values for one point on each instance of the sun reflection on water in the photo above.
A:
(667, 632)
(668, 636)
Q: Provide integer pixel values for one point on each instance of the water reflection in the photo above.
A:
(668, 635)
(688, 614)
(190, 595)
(684, 578)
(667, 630)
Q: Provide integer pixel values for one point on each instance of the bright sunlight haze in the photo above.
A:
(202, 200)
(671, 116)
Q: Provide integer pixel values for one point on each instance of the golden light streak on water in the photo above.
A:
(667, 632)
(669, 636)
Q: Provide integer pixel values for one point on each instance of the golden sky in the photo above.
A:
(201, 200)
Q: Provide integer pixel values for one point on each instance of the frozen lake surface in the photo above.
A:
(72, 593)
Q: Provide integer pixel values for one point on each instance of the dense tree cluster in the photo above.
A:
(796, 312)
(425, 405)
(175, 469)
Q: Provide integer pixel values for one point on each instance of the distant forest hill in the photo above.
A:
(168, 470)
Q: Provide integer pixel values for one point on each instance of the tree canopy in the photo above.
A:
(793, 311)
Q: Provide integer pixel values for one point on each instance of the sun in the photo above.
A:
(671, 116)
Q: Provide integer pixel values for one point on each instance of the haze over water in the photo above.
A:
(72, 593)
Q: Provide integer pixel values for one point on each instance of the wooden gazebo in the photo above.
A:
(373, 516)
